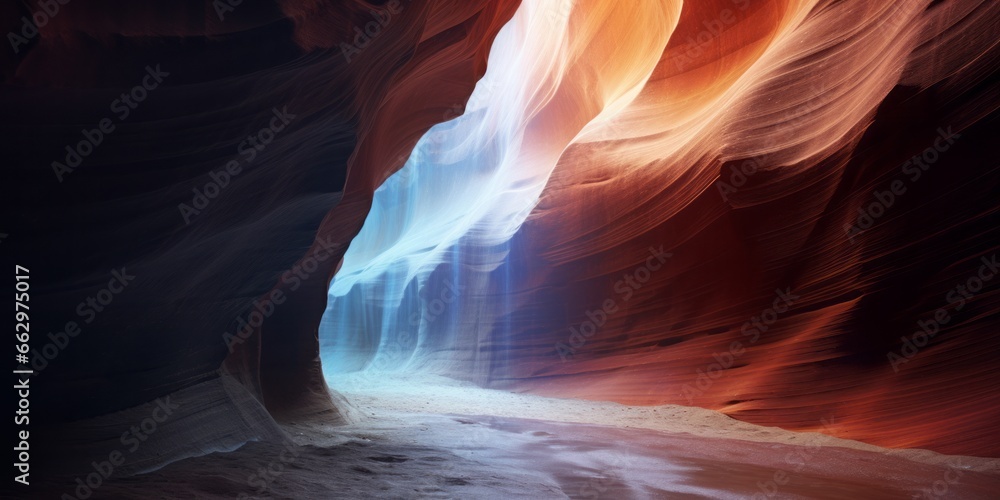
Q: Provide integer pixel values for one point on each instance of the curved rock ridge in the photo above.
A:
(823, 184)
(769, 219)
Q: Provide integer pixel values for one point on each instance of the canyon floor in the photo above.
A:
(432, 437)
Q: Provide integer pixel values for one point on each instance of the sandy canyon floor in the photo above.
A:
(433, 437)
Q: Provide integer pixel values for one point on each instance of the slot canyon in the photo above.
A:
(503, 249)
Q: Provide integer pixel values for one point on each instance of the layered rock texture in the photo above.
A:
(757, 207)
(786, 214)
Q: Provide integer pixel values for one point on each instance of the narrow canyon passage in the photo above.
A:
(537, 249)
